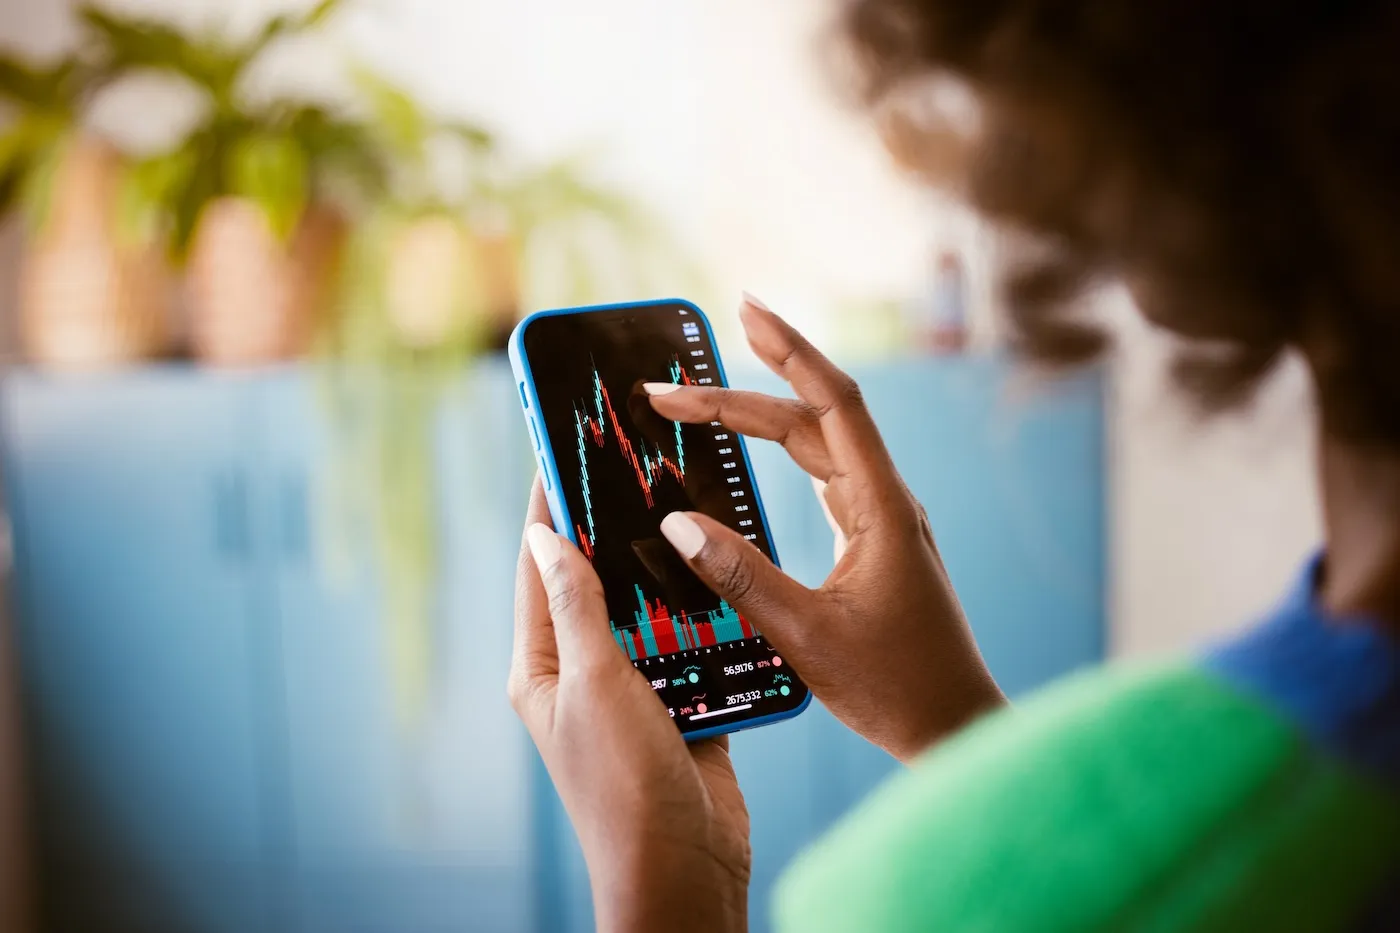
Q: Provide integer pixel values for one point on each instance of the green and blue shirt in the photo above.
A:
(1257, 788)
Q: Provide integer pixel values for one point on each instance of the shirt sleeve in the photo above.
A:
(1121, 800)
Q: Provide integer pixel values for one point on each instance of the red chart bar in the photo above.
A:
(706, 633)
(662, 630)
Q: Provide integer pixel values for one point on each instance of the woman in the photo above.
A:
(1236, 167)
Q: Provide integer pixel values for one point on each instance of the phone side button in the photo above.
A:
(534, 434)
(524, 399)
(545, 475)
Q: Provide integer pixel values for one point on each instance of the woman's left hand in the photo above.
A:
(662, 824)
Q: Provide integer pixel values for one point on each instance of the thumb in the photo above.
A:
(576, 604)
(742, 576)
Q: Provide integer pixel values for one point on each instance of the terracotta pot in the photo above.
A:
(498, 258)
(255, 299)
(428, 272)
(87, 300)
(443, 279)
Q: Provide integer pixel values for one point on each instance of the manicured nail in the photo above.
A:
(545, 547)
(684, 534)
(659, 388)
(754, 302)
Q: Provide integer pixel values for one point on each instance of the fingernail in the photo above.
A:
(754, 302)
(545, 547)
(684, 534)
(659, 388)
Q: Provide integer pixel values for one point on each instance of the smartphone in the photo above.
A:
(613, 469)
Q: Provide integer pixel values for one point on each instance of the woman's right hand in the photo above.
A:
(882, 642)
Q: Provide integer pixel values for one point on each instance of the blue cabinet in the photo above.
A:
(417, 822)
(138, 611)
(213, 722)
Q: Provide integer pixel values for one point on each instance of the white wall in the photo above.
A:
(715, 111)
(1210, 520)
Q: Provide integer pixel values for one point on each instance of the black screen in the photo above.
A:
(622, 469)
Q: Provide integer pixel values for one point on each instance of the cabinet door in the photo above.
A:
(1013, 478)
(340, 756)
(403, 821)
(135, 585)
(478, 756)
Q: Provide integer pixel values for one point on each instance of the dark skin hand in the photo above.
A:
(662, 824)
(882, 642)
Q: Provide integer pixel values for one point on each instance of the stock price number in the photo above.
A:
(658, 684)
(735, 699)
(731, 669)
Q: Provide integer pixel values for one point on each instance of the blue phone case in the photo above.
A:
(549, 469)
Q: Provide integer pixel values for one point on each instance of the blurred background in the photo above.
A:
(263, 467)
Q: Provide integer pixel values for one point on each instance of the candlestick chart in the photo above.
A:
(612, 452)
(597, 422)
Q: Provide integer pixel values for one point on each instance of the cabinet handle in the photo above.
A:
(232, 536)
(294, 517)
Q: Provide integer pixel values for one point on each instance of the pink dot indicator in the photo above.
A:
(777, 661)
(700, 707)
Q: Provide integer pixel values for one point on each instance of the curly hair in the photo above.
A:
(1236, 164)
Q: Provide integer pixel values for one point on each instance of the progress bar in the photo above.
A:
(720, 712)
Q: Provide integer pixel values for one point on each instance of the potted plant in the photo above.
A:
(254, 194)
(91, 294)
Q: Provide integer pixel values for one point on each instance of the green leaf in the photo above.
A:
(133, 43)
(395, 114)
(274, 28)
(340, 152)
(9, 193)
(14, 161)
(27, 159)
(149, 193)
(137, 214)
(21, 83)
(473, 135)
(138, 42)
(319, 13)
(49, 89)
(203, 152)
(36, 187)
(288, 24)
(14, 149)
(271, 170)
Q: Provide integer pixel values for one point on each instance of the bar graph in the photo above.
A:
(657, 631)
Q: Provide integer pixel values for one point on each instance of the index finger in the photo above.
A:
(856, 448)
(791, 423)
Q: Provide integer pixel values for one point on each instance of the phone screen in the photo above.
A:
(622, 468)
